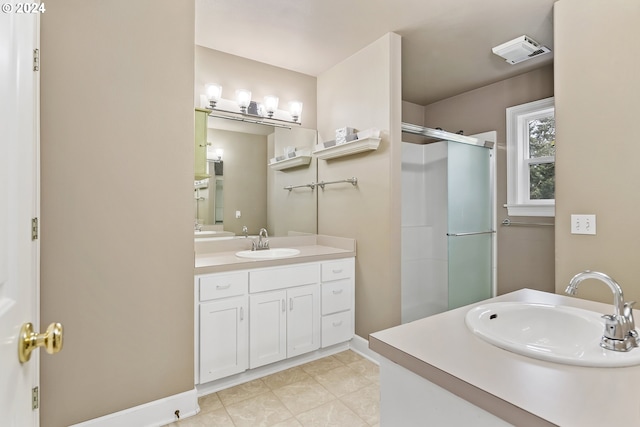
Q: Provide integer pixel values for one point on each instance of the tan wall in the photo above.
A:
(597, 146)
(525, 254)
(117, 185)
(234, 72)
(364, 91)
(245, 187)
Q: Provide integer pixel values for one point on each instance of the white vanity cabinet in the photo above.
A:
(250, 318)
(223, 325)
(338, 313)
(285, 313)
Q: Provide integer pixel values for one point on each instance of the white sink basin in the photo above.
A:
(269, 253)
(553, 333)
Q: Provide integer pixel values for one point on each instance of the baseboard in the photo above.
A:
(361, 346)
(153, 414)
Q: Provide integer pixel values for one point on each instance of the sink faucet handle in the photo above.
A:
(628, 313)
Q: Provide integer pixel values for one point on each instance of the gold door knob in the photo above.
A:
(29, 340)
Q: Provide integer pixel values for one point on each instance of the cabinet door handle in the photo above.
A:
(337, 271)
(337, 291)
(336, 324)
(284, 305)
(290, 304)
(222, 287)
(241, 313)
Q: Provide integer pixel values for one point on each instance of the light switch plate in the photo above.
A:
(583, 224)
(238, 214)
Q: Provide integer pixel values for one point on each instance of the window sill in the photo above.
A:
(531, 210)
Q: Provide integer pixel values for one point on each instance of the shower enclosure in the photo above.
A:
(448, 221)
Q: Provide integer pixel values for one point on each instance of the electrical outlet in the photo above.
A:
(238, 214)
(583, 224)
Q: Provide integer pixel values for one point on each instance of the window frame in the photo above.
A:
(519, 202)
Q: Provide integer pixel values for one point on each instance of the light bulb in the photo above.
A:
(213, 94)
(270, 104)
(295, 108)
(243, 97)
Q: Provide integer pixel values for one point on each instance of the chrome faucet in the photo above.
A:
(261, 244)
(245, 231)
(620, 329)
(197, 226)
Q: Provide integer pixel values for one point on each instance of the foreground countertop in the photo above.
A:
(215, 257)
(521, 390)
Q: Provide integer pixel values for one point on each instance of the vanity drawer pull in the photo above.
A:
(336, 271)
(222, 287)
(336, 324)
(241, 313)
(337, 291)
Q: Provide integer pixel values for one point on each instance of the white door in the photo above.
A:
(267, 328)
(18, 205)
(303, 320)
(224, 338)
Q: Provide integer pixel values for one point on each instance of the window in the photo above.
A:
(531, 151)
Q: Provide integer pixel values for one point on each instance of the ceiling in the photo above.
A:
(446, 44)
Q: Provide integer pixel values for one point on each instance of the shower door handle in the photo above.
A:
(473, 233)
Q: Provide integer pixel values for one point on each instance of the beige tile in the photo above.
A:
(303, 395)
(291, 422)
(210, 402)
(263, 410)
(331, 414)
(285, 377)
(342, 380)
(321, 366)
(348, 356)
(365, 403)
(218, 418)
(367, 369)
(242, 392)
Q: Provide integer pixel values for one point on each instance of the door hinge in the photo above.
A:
(35, 398)
(36, 59)
(34, 228)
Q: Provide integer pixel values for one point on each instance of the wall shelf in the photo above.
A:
(291, 163)
(348, 148)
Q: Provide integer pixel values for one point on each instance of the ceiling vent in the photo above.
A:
(520, 49)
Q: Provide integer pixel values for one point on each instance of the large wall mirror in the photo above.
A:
(244, 191)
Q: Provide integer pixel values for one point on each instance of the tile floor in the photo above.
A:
(339, 390)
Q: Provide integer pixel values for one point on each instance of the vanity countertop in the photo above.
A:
(521, 390)
(221, 256)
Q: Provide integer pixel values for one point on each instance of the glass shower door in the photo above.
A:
(469, 228)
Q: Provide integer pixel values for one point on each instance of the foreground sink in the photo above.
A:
(274, 253)
(553, 333)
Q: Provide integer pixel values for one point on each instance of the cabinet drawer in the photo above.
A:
(337, 328)
(337, 296)
(223, 285)
(283, 277)
(336, 270)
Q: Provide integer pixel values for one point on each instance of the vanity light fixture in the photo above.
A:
(243, 97)
(270, 105)
(246, 110)
(214, 92)
(295, 108)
